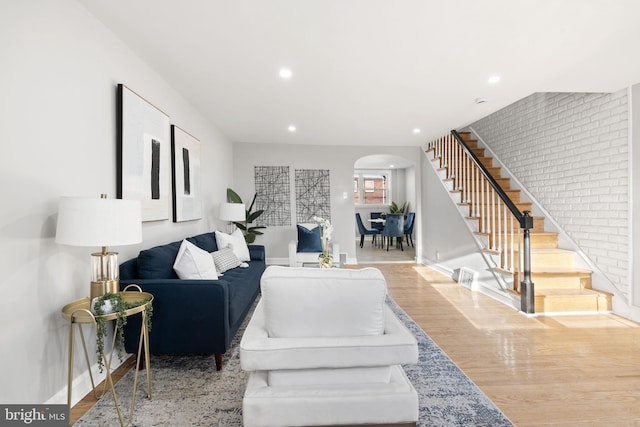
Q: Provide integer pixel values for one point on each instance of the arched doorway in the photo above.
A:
(379, 180)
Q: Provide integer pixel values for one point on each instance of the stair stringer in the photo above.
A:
(599, 281)
(501, 291)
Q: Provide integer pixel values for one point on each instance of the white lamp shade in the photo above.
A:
(232, 212)
(98, 222)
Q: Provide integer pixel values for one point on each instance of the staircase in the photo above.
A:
(559, 285)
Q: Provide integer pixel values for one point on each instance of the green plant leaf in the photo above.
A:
(253, 201)
(233, 197)
(252, 216)
(240, 225)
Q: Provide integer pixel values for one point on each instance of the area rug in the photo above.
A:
(188, 391)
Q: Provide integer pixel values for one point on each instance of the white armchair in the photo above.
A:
(307, 239)
(323, 348)
(297, 259)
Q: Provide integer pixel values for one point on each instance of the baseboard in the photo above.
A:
(82, 383)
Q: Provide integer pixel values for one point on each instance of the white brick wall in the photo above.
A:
(570, 151)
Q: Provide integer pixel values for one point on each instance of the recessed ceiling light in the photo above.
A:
(285, 73)
(494, 79)
(417, 130)
(291, 128)
(391, 166)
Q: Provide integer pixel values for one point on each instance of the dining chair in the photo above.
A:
(408, 227)
(376, 225)
(394, 227)
(365, 230)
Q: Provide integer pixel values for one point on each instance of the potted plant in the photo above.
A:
(393, 208)
(250, 233)
(325, 259)
(114, 303)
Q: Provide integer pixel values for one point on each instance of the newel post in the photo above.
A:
(527, 297)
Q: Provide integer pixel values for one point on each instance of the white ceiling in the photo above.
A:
(370, 71)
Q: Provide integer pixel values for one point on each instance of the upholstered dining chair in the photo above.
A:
(366, 230)
(408, 227)
(377, 225)
(394, 227)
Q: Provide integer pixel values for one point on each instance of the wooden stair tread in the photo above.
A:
(550, 251)
(559, 270)
(551, 293)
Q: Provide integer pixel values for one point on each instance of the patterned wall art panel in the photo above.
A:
(313, 194)
(273, 195)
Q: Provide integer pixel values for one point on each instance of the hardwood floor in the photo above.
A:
(540, 371)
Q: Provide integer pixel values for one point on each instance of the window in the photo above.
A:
(371, 187)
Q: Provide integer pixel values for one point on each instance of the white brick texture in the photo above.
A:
(571, 152)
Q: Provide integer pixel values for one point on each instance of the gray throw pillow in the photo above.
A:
(225, 259)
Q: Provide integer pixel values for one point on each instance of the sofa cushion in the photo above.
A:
(309, 239)
(194, 263)
(234, 241)
(157, 262)
(314, 302)
(206, 241)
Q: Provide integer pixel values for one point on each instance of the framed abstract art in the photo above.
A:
(142, 154)
(185, 175)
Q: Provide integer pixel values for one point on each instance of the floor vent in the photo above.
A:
(467, 277)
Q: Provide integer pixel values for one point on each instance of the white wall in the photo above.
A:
(60, 67)
(447, 243)
(339, 160)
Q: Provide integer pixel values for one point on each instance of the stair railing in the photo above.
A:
(496, 213)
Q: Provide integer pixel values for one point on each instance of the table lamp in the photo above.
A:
(232, 212)
(100, 222)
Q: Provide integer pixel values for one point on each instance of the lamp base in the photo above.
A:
(102, 287)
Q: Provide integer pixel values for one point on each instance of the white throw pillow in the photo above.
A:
(236, 242)
(193, 262)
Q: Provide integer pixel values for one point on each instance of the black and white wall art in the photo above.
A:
(273, 195)
(185, 176)
(313, 194)
(142, 154)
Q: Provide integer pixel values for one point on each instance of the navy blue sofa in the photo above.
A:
(191, 316)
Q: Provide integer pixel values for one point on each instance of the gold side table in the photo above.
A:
(79, 313)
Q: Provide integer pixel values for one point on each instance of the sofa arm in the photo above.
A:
(257, 252)
(258, 351)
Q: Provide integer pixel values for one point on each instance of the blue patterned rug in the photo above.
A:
(188, 391)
